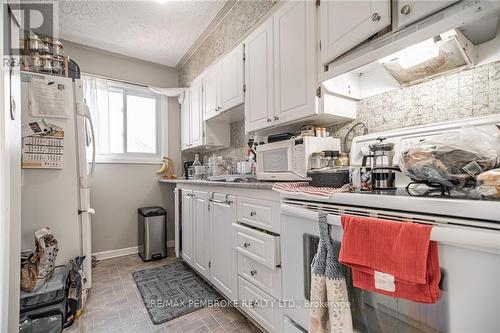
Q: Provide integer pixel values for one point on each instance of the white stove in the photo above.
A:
(467, 230)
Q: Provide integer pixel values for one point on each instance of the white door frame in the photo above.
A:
(10, 195)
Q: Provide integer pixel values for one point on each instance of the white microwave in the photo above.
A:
(290, 159)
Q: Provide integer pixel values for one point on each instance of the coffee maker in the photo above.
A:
(383, 171)
(187, 166)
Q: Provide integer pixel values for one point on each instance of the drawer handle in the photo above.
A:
(246, 244)
(253, 272)
(253, 213)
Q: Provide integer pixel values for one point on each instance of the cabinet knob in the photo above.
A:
(246, 244)
(405, 10)
(253, 272)
(253, 213)
(376, 17)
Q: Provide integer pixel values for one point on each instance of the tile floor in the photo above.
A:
(115, 305)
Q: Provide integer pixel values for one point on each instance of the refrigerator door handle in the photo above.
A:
(88, 211)
(86, 114)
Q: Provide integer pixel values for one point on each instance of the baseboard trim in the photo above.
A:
(122, 252)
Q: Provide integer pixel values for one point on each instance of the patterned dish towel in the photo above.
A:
(309, 191)
(330, 308)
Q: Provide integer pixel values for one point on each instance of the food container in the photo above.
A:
(488, 183)
(344, 159)
(329, 177)
(58, 65)
(57, 48)
(35, 44)
(35, 63)
(45, 63)
(244, 167)
(318, 160)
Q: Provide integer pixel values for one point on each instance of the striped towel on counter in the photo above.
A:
(303, 188)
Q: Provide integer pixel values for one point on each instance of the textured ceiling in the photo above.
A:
(160, 33)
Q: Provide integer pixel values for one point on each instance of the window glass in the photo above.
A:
(115, 122)
(141, 124)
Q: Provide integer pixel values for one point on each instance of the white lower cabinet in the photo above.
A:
(187, 226)
(223, 260)
(241, 262)
(259, 305)
(201, 259)
(266, 279)
(195, 230)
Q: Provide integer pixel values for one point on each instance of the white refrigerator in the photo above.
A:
(59, 197)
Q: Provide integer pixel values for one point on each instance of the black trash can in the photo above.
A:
(152, 233)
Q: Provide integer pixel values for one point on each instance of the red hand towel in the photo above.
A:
(401, 249)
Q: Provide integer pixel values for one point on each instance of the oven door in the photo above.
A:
(469, 303)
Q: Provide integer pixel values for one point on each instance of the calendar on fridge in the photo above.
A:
(44, 151)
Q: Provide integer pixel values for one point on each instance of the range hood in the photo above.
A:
(448, 41)
(444, 53)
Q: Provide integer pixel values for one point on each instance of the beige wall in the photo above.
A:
(119, 189)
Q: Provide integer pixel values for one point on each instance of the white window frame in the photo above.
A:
(161, 127)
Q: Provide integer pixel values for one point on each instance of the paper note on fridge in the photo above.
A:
(49, 98)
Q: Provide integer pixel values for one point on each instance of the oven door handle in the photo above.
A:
(308, 214)
(471, 237)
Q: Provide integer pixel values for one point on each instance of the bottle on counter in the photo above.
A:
(344, 159)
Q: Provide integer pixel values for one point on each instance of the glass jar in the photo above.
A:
(344, 159)
(318, 160)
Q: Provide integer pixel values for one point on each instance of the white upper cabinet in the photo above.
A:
(231, 79)
(196, 128)
(185, 120)
(259, 75)
(294, 61)
(409, 11)
(223, 84)
(344, 24)
(210, 92)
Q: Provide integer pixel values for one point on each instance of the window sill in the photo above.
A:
(129, 161)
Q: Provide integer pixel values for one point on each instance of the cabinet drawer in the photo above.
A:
(266, 279)
(262, 307)
(257, 245)
(259, 213)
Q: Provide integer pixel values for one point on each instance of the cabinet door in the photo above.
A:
(294, 61)
(187, 227)
(185, 120)
(344, 24)
(409, 11)
(231, 77)
(210, 94)
(201, 233)
(223, 259)
(259, 73)
(196, 137)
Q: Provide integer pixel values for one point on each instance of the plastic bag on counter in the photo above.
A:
(452, 159)
(488, 184)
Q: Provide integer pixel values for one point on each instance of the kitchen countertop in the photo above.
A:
(259, 185)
